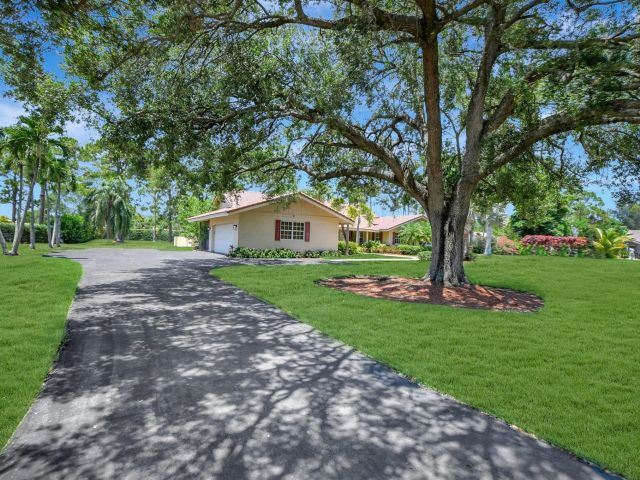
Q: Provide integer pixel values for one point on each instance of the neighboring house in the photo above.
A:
(250, 219)
(634, 243)
(383, 229)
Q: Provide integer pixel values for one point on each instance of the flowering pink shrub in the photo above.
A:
(549, 242)
(506, 246)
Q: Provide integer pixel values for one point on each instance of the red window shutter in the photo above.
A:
(277, 230)
(307, 231)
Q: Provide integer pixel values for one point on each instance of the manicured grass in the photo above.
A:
(569, 374)
(355, 256)
(101, 243)
(34, 300)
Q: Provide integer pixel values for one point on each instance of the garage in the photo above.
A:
(224, 238)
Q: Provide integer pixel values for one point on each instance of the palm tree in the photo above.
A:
(15, 148)
(61, 174)
(416, 233)
(110, 208)
(610, 244)
(31, 140)
(360, 210)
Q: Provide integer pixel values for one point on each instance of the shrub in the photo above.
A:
(75, 229)
(610, 244)
(552, 245)
(506, 246)
(371, 245)
(9, 228)
(147, 234)
(424, 255)
(353, 247)
(245, 252)
(416, 233)
(409, 249)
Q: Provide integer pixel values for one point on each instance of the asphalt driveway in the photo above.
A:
(169, 374)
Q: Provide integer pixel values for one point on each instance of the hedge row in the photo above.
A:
(147, 234)
(8, 230)
(244, 252)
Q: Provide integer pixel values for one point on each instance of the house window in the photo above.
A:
(376, 236)
(396, 238)
(292, 230)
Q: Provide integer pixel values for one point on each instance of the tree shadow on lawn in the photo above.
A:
(170, 373)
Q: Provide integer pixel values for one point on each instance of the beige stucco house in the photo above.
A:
(250, 219)
(634, 243)
(384, 229)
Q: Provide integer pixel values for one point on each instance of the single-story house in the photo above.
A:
(634, 243)
(384, 229)
(250, 219)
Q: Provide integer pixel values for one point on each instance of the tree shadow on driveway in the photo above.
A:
(170, 373)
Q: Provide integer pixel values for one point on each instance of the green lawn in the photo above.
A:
(34, 299)
(569, 373)
(158, 245)
(355, 256)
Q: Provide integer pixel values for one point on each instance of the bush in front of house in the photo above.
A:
(424, 255)
(245, 252)
(353, 247)
(398, 249)
(409, 249)
(372, 246)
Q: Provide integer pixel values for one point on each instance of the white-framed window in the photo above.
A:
(291, 230)
(376, 236)
(396, 238)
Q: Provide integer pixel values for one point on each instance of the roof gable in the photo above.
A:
(390, 222)
(243, 201)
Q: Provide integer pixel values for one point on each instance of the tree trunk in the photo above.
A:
(32, 231)
(43, 196)
(14, 198)
(17, 234)
(47, 218)
(448, 238)
(3, 243)
(170, 215)
(468, 238)
(488, 248)
(345, 234)
(154, 233)
(358, 231)
(56, 220)
(20, 194)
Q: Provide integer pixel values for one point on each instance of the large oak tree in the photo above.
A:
(435, 97)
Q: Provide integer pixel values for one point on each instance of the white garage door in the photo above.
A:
(223, 238)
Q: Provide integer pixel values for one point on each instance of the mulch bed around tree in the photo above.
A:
(420, 291)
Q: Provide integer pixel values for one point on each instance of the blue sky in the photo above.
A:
(10, 110)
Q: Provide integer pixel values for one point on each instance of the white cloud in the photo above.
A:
(9, 112)
(80, 131)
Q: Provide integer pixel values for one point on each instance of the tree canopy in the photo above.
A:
(435, 98)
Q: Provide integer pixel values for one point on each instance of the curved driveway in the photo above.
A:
(169, 374)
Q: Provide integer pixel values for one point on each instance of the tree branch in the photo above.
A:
(614, 111)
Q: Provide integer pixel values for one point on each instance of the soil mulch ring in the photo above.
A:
(420, 291)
